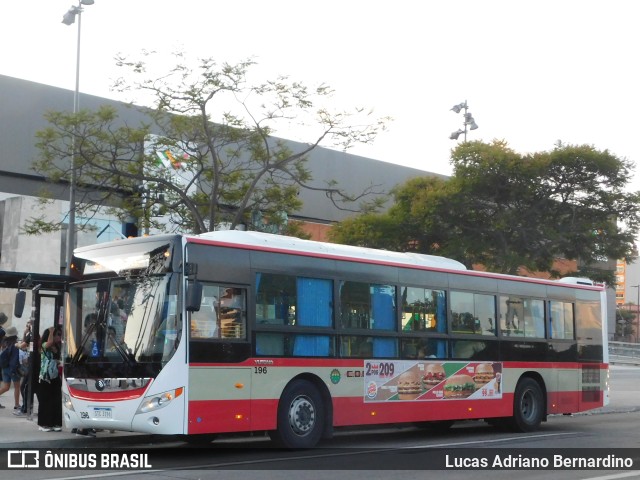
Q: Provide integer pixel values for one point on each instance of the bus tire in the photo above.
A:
(301, 416)
(528, 406)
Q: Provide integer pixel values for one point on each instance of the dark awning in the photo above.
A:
(46, 281)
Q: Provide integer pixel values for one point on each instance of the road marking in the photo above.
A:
(498, 440)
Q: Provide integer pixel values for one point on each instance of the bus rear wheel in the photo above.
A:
(528, 406)
(300, 416)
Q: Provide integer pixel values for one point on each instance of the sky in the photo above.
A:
(531, 72)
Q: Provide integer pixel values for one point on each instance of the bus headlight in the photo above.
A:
(66, 401)
(158, 401)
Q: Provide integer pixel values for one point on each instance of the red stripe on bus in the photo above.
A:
(107, 396)
(354, 411)
(218, 416)
(573, 402)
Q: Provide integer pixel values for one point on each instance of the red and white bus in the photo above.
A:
(243, 331)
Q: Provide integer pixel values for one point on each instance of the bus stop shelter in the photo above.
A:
(43, 288)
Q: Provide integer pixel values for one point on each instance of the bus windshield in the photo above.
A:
(128, 315)
(123, 320)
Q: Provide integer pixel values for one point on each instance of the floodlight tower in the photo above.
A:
(469, 122)
(68, 19)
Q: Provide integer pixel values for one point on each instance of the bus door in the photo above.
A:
(219, 386)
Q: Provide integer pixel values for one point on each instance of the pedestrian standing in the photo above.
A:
(25, 359)
(9, 361)
(50, 385)
(3, 320)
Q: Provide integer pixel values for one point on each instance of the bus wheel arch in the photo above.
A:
(529, 403)
(305, 413)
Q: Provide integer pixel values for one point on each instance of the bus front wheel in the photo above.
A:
(528, 406)
(300, 416)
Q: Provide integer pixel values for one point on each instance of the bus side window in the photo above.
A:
(232, 313)
(222, 313)
(204, 322)
(473, 313)
(561, 320)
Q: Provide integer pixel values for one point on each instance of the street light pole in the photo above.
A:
(69, 19)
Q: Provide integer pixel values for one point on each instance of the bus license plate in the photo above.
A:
(102, 412)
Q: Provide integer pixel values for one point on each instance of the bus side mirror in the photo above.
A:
(194, 296)
(18, 306)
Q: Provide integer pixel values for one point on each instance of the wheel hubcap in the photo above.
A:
(528, 406)
(302, 416)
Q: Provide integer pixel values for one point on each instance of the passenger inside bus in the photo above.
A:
(424, 348)
(231, 312)
(222, 314)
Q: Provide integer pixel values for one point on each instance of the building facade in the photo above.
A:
(24, 105)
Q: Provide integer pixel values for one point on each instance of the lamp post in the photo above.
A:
(469, 122)
(637, 310)
(69, 18)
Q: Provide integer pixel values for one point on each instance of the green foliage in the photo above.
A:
(625, 324)
(216, 129)
(508, 211)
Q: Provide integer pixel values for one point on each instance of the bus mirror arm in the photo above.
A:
(194, 296)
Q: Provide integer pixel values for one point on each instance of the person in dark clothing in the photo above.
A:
(9, 361)
(3, 320)
(50, 386)
(25, 386)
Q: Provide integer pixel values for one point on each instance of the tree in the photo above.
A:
(625, 324)
(206, 152)
(507, 211)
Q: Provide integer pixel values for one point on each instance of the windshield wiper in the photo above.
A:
(126, 356)
(83, 341)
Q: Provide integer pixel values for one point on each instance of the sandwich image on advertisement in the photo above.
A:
(409, 385)
(459, 386)
(433, 375)
(483, 374)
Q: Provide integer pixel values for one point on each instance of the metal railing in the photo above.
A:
(624, 352)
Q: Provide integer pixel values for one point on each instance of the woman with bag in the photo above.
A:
(50, 386)
(25, 372)
(10, 363)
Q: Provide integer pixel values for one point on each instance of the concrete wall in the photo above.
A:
(29, 253)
